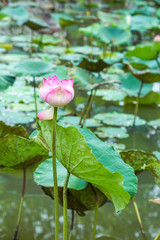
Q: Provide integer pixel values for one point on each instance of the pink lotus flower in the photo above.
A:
(157, 38)
(56, 93)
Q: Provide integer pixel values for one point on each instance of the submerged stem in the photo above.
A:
(65, 207)
(20, 205)
(139, 218)
(55, 175)
(95, 221)
(157, 237)
(72, 224)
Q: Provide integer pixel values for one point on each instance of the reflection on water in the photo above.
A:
(37, 217)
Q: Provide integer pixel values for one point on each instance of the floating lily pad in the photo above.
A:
(31, 68)
(142, 23)
(110, 132)
(154, 123)
(68, 136)
(151, 98)
(74, 120)
(113, 94)
(11, 117)
(119, 119)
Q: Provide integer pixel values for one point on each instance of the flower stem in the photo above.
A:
(137, 105)
(35, 96)
(55, 175)
(95, 221)
(65, 207)
(20, 205)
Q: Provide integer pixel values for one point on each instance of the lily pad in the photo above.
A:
(119, 119)
(94, 170)
(74, 120)
(11, 117)
(110, 132)
(36, 24)
(154, 123)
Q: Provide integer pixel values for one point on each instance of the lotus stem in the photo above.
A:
(55, 175)
(72, 225)
(35, 95)
(137, 105)
(157, 237)
(95, 221)
(139, 218)
(20, 205)
(65, 207)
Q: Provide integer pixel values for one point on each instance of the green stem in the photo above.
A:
(65, 207)
(35, 96)
(95, 221)
(21, 205)
(157, 237)
(55, 175)
(137, 105)
(72, 224)
(139, 218)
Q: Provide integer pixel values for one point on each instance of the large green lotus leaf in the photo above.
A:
(82, 77)
(151, 98)
(36, 24)
(31, 68)
(14, 130)
(81, 162)
(154, 123)
(44, 176)
(6, 81)
(20, 152)
(132, 85)
(79, 200)
(111, 132)
(147, 52)
(114, 35)
(145, 76)
(111, 18)
(119, 119)
(142, 23)
(92, 30)
(140, 161)
(20, 14)
(57, 17)
(154, 168)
